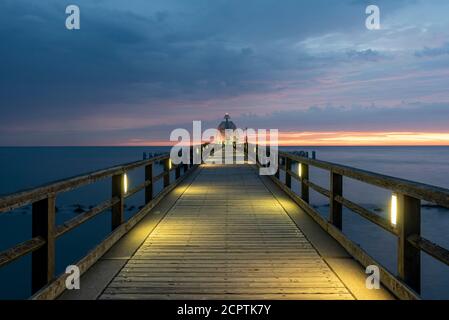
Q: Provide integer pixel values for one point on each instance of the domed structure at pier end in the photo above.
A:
(227, 124)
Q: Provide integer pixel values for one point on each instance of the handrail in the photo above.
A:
(437, 195)
(409, 195)
(25, 197)
(43, 199)
(20, 250)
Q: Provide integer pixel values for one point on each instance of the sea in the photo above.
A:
(28, 167)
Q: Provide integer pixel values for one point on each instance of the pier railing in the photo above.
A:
(407, 197)
(45, 232)
(406, 226)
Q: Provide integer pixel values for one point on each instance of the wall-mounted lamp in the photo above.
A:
(125, 183)
(394, 209)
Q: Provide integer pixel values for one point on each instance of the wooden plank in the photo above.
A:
(367, 214)
(389, 280)
(20, 250)
(216, 245)
(55, 288)
(430, 248)
(80, 219)
(226, 290)
(221, 296)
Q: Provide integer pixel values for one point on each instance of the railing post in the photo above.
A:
(191, 156)
(277, 169)
(149, 187)
(166, 172)
(118, 190)
(335, 208)
(268, 154)
(201, 153)
(288, 168)
(257, 153)
(223, 153)
(304, 177)
(43, 259)
(245, 152)
(409, 257)
(178, 171)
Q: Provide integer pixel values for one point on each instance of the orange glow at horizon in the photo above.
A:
(354, 138)
(339, 138)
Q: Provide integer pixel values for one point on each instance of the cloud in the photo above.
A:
(433, 52)
(405, 117)
(365, 55)
(140, 64)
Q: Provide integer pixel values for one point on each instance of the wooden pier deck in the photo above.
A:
(226, 237)
(223, 231)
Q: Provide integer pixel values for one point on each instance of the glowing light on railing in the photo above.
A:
(169, 164)
(197, 151)
(394, 209)
(125, 183)
(299, 170)
(255, 150)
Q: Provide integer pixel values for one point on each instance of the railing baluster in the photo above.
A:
(201, 147)
(335, 208)
(257, 153)
(277, 168)
(223, 153)
(234, 153)
(149, 188)
(268, 154)
(118, 190)
(166, 172)
(288, 168)
(304, 177)
(409, 257)
(178, 171)
(43, 259)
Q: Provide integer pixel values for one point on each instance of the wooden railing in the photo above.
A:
(407, 229)
(45, 232)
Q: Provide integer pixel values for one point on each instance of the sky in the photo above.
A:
(138, 69)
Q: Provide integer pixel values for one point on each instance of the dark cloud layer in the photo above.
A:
(154, 59)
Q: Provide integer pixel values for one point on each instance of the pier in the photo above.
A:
(222, 231)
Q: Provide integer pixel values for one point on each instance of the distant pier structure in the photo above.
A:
(227, 124)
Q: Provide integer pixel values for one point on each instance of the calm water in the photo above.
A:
(28, 167)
